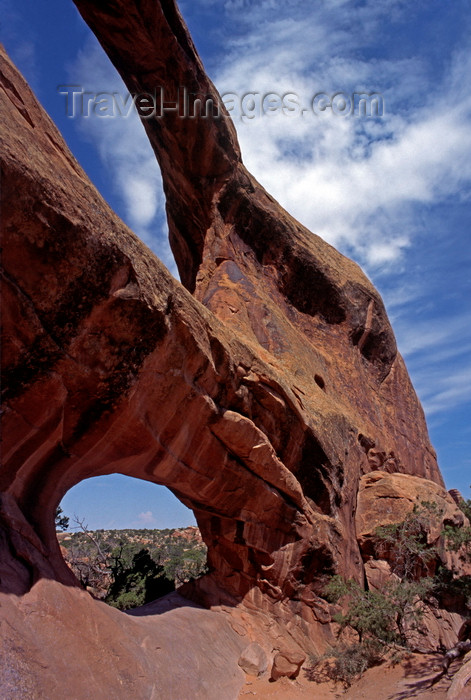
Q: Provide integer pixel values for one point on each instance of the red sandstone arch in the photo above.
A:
(256, 394)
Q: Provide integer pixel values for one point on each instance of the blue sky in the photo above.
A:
(392, 192)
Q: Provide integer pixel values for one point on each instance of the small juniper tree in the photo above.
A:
(459, 538)
(406, 543)
(143, 581)
(383, 619)
(60, 519)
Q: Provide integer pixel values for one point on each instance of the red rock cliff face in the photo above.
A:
(259, 392)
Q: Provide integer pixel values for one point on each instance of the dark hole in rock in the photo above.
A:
(319, 381)
(366, 442)
(314, 473)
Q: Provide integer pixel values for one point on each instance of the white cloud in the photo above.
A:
(146, 518)
(141, 199)
(355, 181)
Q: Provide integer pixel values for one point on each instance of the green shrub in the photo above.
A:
(405, 543)
(384, 617)
(351, 661)
(138, 584)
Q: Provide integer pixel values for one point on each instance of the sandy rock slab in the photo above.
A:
(57, 642)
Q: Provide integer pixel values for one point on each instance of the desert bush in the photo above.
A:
(383, 620)
(384, 617)
(344, 663)
(405, 543)
(351, 661)
(61, 521)
(140, 583)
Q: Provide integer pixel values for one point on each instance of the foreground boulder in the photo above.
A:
(259, 391)
(460, 688)
(57, 642)
(287, 664)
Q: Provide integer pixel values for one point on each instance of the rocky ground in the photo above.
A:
(410, 679)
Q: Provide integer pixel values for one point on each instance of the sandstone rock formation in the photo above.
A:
(253, 660)
(301, 307)
(460, 688)
(259, 391)
(385, 498)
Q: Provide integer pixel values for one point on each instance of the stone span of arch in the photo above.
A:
(258, 394)
(113, 367)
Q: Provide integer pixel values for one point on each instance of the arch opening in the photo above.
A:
(128, 541)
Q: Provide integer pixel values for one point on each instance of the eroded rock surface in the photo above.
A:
(385, 499)
(57, 642)
(259, 394)
(460, 688)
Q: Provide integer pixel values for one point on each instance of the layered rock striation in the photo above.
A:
(259, 391)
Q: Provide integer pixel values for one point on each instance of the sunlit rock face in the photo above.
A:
(386, 499)
(259, 391)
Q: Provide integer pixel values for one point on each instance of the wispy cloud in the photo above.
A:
(452, 332)
(146, 519)
(438, 353)
(355, 181)
(442, 392)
